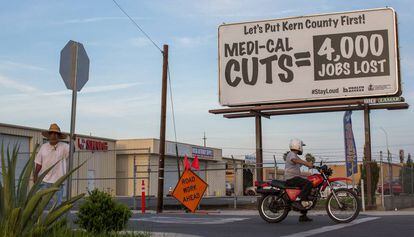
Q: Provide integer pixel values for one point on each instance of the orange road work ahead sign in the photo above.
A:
(190, 190)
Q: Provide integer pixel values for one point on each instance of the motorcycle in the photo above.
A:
(277, 199)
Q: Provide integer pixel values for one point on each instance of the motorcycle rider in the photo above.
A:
(293, 176)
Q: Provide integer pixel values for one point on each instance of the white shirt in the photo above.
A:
(292, 169)
(48, 155)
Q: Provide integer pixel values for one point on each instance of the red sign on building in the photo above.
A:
(92, 145)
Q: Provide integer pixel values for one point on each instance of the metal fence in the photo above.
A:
(393, 180)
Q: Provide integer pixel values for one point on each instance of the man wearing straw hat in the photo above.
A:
(53, 152)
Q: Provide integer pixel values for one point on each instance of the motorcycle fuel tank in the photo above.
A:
(315, 179)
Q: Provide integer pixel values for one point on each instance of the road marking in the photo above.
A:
(168, 234)
(330, 228)
(158, 234)
(192, 220)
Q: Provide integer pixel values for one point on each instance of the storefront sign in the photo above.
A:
(250, 159)
(92, 145)
(204, 152)
(190, 190)
(183, 149)
(319, 57)
(384, 100)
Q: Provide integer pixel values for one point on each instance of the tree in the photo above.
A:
(401, 156)
(407, 175)
(406, 178)
(285, 155)
(22, 207)
(375, 170)
(310, 158)
(409, 160)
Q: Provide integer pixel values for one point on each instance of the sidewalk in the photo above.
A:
(403, 212)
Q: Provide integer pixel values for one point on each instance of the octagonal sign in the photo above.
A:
(74, 64)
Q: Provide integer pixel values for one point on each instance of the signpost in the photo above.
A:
(319, 57)
(190, 190)
(74, 70)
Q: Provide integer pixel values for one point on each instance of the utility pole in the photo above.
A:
(204, 139)
(160, 193)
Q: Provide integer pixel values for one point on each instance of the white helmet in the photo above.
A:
(296, 145)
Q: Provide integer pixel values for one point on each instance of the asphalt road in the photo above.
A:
(252, 225)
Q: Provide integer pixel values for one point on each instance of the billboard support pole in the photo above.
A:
(259, 149)
(160, 193)
(367, 126)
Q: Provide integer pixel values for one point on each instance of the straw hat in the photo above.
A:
(54, 128)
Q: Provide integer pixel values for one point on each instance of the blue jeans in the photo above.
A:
(58, 195)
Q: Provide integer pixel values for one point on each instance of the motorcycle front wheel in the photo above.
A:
(272, 208)
(343, 205)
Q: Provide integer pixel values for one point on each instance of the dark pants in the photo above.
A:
(302, 183)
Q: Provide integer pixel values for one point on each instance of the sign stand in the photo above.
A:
(367, 128)
(74, 70)
(190, 190)
(72, 118)
(310, 64)
(311, 107)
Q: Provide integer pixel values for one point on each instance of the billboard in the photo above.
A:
(318, 57)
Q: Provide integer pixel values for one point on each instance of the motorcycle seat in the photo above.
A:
(278, 183)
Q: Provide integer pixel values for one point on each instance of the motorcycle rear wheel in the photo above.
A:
(272, 208)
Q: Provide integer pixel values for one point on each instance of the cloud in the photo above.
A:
(6, 64)
(193, 41)
(139, 42)
(13, 84)
(233, 8)
(26, 90)
(96, 19)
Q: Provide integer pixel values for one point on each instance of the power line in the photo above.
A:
(136, 24)
(172, 104)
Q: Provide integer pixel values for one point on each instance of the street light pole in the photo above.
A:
(382, 182)
(389, 160)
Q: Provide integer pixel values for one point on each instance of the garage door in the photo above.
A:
(10, 141)
(170, 174)
(202, 172)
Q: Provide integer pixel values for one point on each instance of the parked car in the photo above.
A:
(252, 191)
(229, 189)
(395, 187)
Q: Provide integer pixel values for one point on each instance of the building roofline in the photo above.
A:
(41, 130)
(157, 139)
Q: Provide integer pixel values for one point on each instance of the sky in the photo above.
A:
(122, 97)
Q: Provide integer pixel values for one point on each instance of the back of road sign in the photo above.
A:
(190, 190)
(74, 62)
